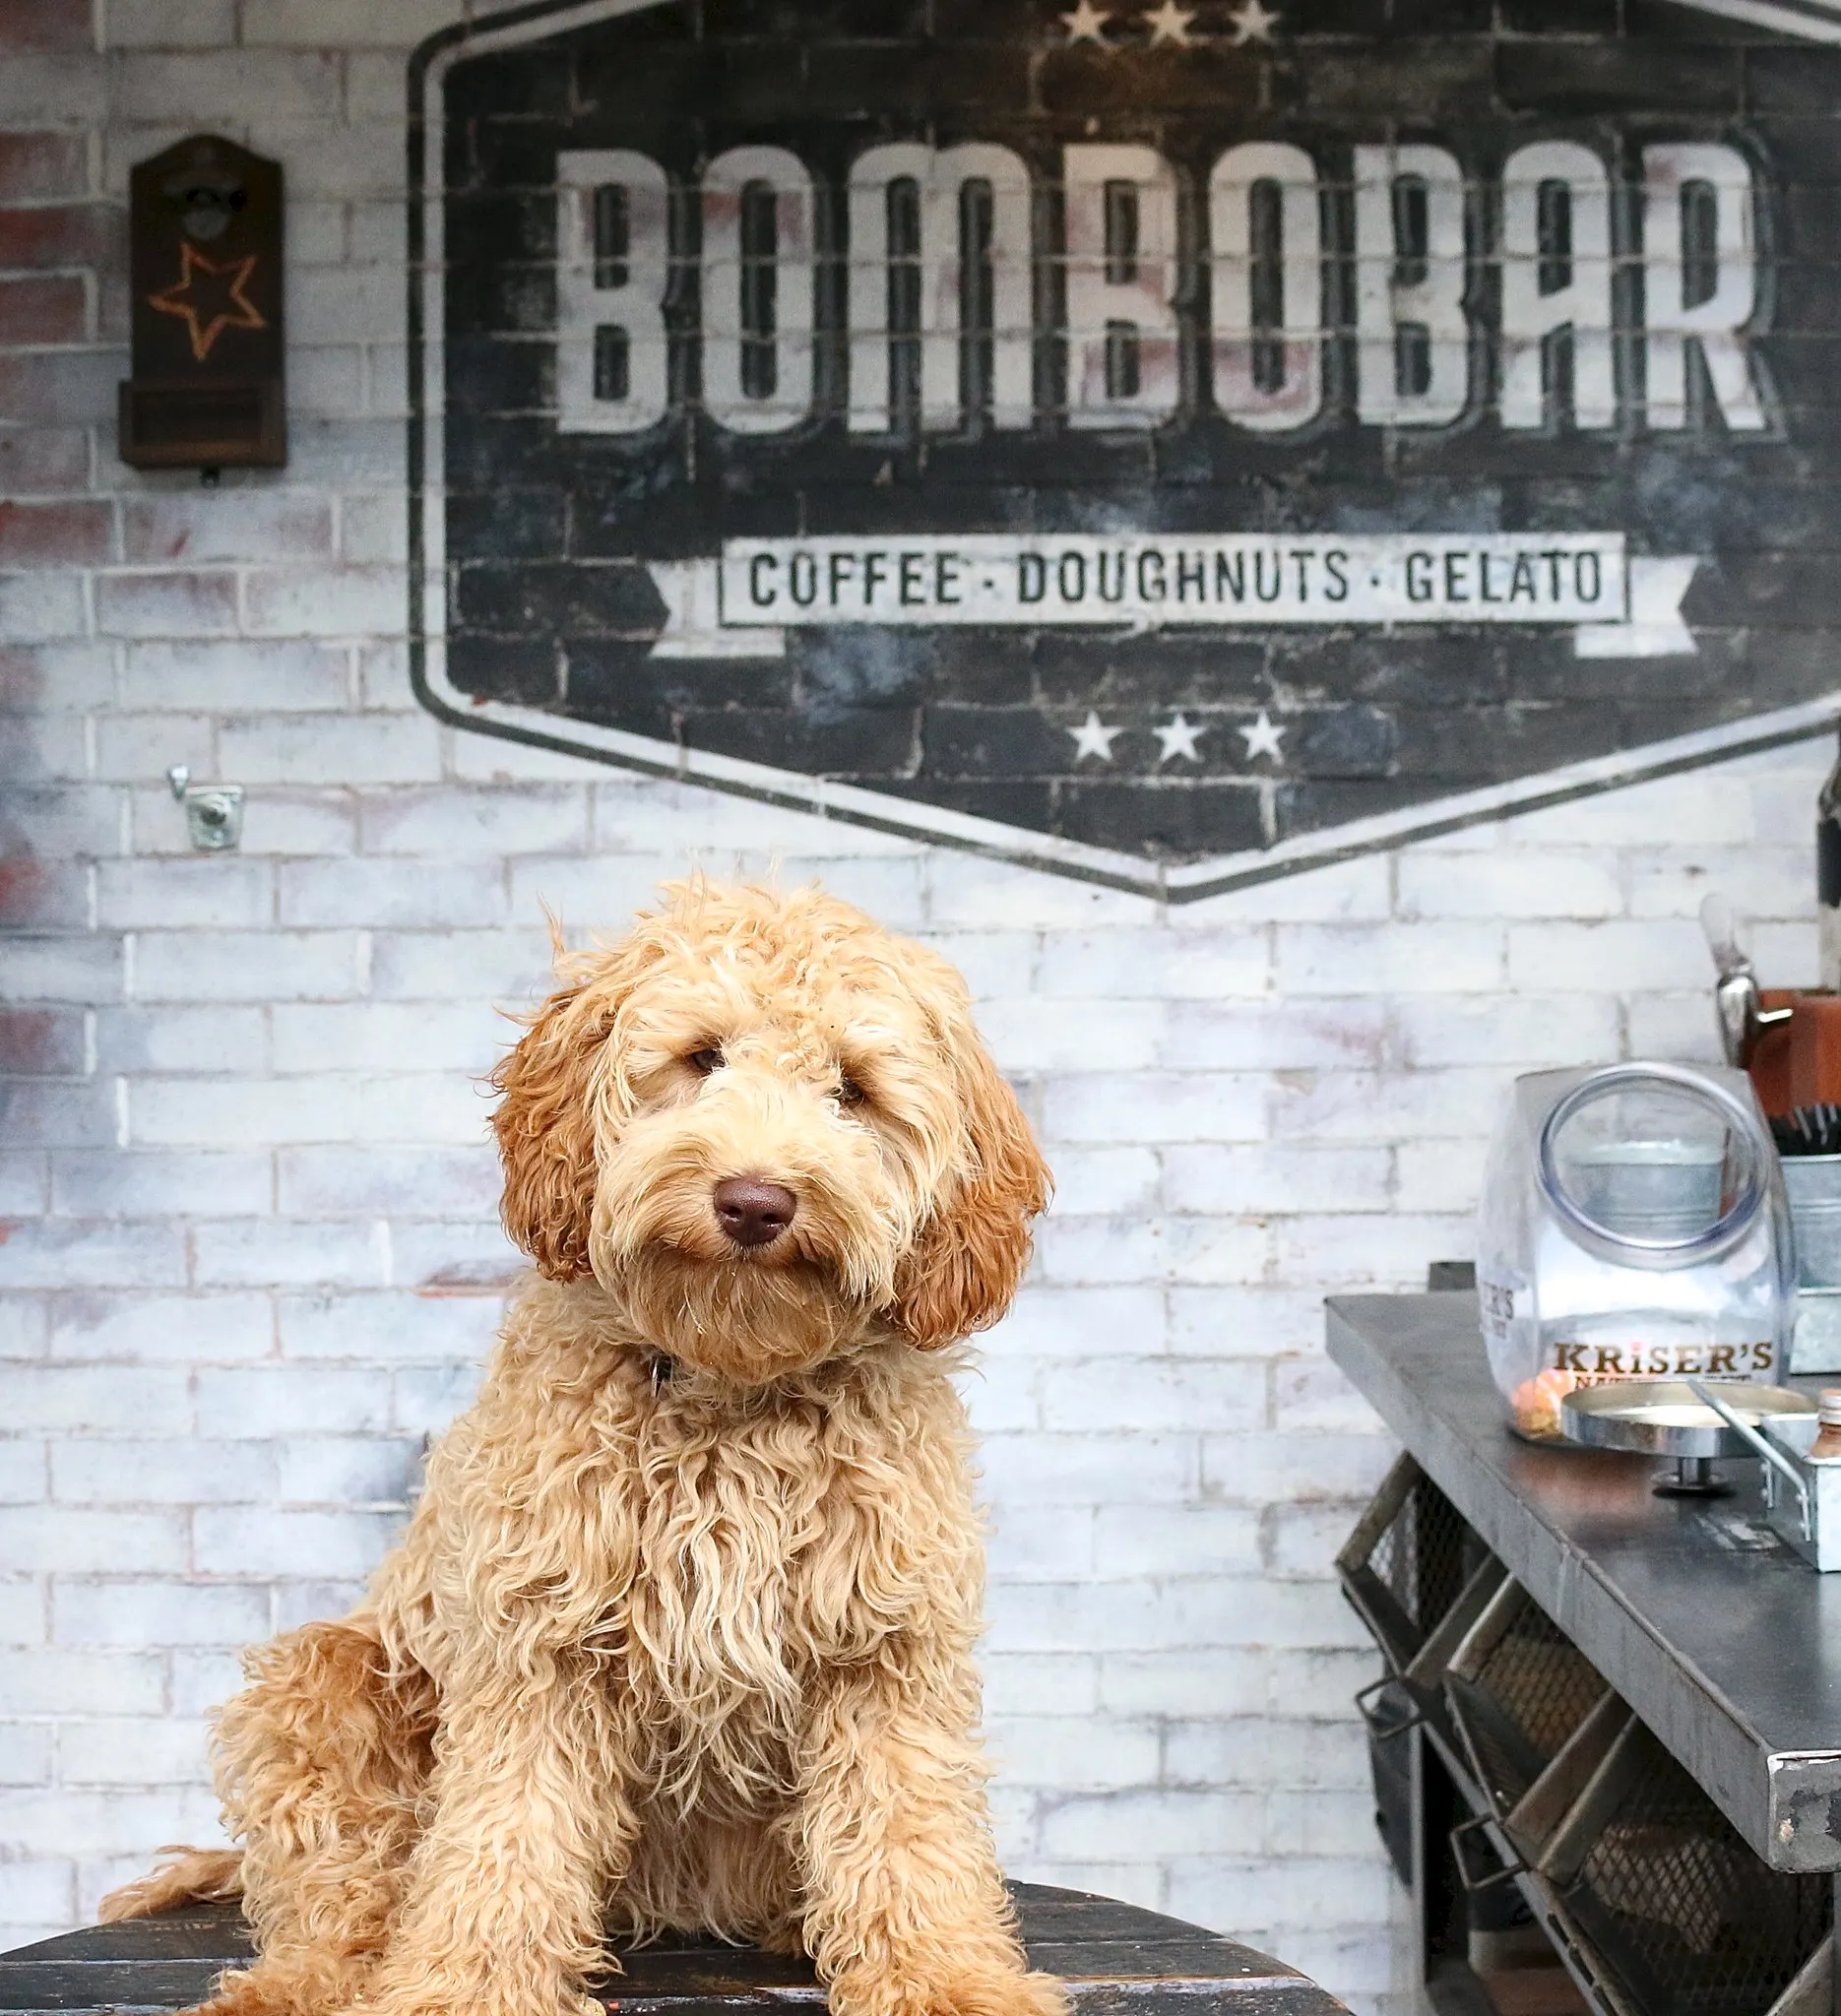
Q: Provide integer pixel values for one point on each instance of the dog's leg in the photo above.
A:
(531, 1824)
(184, 1876)
(320, 1765)
(905, 1909)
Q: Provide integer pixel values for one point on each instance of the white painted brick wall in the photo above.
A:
(251, 1254)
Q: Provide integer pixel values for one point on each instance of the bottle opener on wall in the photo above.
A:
(204, 219)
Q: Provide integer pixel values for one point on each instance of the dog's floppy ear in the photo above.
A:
(965, 1264)
(546, 1126)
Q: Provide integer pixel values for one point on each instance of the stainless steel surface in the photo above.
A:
(1719, 1636)
(1804, 1504)
(1816, 1343)
(1668, 1416)
(1812, 1184)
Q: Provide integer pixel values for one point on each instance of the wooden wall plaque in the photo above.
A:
(207, 390)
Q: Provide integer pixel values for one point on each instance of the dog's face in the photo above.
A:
(765, 1125)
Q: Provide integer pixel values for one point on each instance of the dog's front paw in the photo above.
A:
(271, 1989)
(1008, 1994)
(994, 1993)
(490, 1999)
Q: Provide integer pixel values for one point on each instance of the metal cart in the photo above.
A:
(1614, 1714)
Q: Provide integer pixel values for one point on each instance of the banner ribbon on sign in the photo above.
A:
(741, 604)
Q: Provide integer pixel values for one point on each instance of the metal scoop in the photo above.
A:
(1776, 1458)
(1735, 997)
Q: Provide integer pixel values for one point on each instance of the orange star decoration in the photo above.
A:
(210, 298)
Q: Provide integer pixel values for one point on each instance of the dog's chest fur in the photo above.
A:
(771, 1543)
(711, 1556)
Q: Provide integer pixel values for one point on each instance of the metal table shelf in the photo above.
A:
(1723, 1640)
(1706, 1630)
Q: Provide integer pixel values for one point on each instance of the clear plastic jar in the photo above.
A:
(1632, 1225)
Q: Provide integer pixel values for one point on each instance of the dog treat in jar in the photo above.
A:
(1827, 1442)
(1533, 1406)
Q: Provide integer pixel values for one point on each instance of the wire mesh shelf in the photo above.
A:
(1517, 1688)
(1407, 1562)
(1693, 1921)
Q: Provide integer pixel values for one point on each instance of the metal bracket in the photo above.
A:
(1476, 1882)
(1373, 1704)
(214, 813)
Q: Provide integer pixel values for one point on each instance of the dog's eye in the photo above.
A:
(850, 1093)
(704, 1061)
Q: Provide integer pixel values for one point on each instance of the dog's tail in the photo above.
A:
(184, 1876)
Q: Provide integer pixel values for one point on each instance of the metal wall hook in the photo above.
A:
(214, 813)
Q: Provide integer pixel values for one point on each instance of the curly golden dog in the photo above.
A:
(681, 1633)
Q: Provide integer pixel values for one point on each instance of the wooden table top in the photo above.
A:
(1116, 1960)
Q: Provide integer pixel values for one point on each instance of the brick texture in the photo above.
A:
(30, 24)
(47, 309)
(36, 165)
(251, 1255)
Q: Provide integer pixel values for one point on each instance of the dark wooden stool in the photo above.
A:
(1116, 1960)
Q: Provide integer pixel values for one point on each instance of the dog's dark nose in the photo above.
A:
(755, 1212)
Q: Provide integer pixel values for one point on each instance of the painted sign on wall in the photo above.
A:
(1172, 445)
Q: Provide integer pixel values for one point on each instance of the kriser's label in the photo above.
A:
(1497, 1294)
(1666, 1361)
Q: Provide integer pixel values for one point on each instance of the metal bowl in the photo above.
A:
(1662, 1417)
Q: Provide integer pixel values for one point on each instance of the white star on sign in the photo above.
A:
(1252, 23)
(1092, 739)
(1262, 739)
(1086, 23)
(1178, 740)
(1171, 24)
